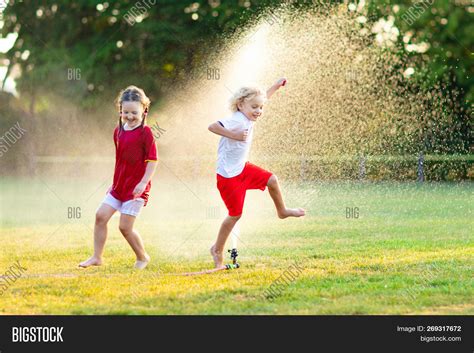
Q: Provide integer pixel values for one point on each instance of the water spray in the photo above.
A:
(343, 92)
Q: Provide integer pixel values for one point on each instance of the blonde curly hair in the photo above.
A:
(244, 94)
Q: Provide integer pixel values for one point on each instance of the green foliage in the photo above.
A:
(84, 52)
(447, 64)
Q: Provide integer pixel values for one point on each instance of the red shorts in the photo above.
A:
(233, 189)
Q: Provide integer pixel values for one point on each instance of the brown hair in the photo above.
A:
(132, 94)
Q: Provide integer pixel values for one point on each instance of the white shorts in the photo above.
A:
(131, 207)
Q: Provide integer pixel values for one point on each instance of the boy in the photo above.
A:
(235, 175)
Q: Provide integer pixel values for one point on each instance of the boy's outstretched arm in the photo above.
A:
(275, 87)
(218, 129)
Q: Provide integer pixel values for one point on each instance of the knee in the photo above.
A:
(100, 218)
(125, 230)
(273, 181)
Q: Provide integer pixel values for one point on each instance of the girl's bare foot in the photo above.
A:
(217, 257)
(141, 264)
(91, 262)
(292, 212)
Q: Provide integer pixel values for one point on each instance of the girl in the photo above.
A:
(235, 175)
(135, 164)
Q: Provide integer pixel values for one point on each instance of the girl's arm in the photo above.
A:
(150, 170)
(218, 129)
(275, 87)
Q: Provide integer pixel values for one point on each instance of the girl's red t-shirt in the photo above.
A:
(133, 149)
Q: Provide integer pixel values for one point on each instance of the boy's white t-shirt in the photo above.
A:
(232, 154)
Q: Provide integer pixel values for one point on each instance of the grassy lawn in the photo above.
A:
(410, 251)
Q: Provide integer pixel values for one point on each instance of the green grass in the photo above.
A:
(409, 252)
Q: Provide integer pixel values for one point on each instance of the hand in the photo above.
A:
(240, 135)
(281, 82)
(139, 189)
(108, 190)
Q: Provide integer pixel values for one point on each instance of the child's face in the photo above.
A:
(252, 108)
(132, 113)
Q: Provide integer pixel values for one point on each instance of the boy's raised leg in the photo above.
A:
(218, 248)
(275, 193)
(134, 239)
(102, 217)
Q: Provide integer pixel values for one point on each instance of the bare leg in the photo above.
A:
(275, 193)
(134, 239)
(224, 232)
(102, 217)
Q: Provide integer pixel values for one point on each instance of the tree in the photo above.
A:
(84, 50)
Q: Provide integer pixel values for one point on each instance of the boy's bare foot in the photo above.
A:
(91, 262)
(141, 264)
(217, 257)
(292, 212)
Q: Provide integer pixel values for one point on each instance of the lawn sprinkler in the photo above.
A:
(233, 252)
(233, 256)
(232, 266)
